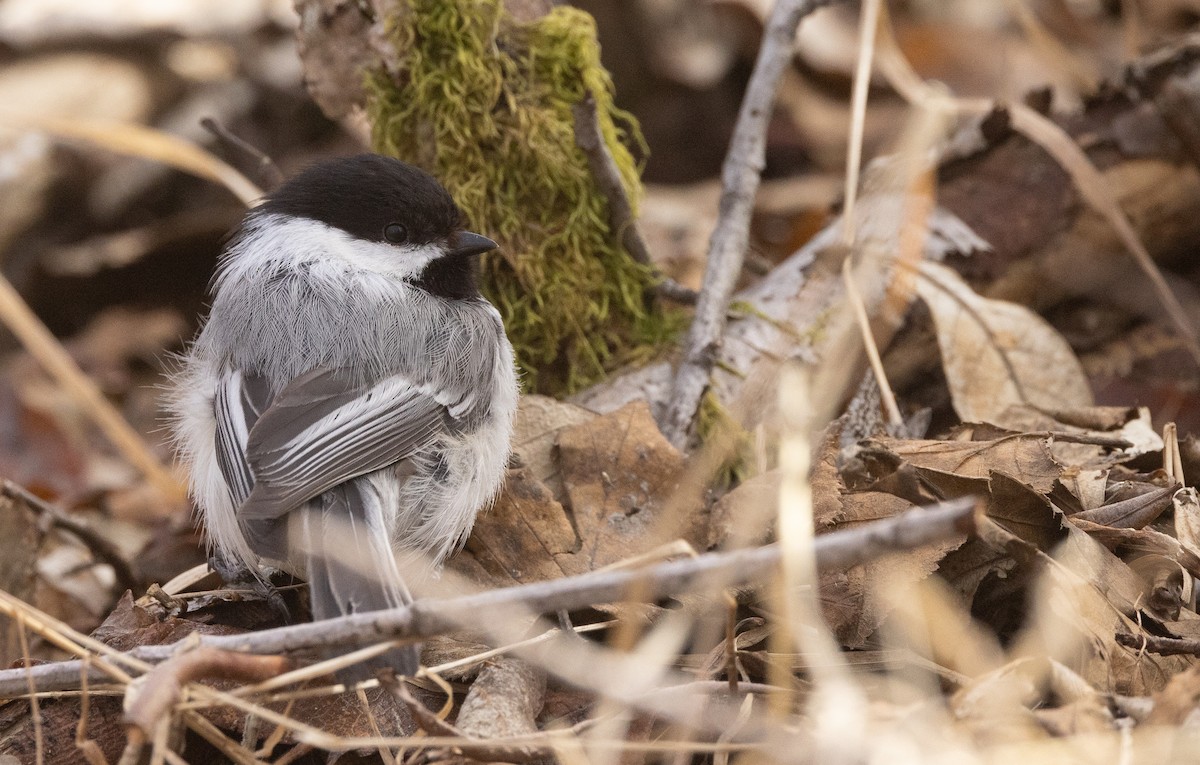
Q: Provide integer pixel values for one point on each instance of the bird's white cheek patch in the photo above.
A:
(396, 261)
(309, 242)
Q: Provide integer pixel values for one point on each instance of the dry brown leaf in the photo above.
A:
(1146, 540)
(1028, 682)
(1178, 700)
(1086, 487)
(1024, 456)
(535, 435)
(1077, 718)
(855, 602)
(1085, 597)
(1013, 471)
(525, 537)
(1093, 188)
(1162, 580)
(1023, 511)
(746, 516)
(1096, 433)
(618, 473)
(1134, 513)
(1000, 701)
(997, 354)
(1100, 419)
(852, 601)
(1060, 700)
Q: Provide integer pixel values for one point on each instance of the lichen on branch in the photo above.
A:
(484, 103)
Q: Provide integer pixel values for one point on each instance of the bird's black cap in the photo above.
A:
(365, 194)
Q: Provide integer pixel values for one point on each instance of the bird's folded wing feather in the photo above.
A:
(321, 430)
(239, 402)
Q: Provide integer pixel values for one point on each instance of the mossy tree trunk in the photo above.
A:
(480, 93)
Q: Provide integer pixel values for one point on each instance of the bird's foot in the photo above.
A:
(237, 576)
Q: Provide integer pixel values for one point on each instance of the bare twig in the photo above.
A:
(504, 700)
(1163, 646)
(740, 177)
(433, 616)
(672, 290)
(484, 750)
(268, 172)
(1095, 191)
(730, 642)
(504, 749)
(35, 710)
(868, 21)
(158, 692)
(855, 299)
(621, 219)
(104, 550)
(608, 178)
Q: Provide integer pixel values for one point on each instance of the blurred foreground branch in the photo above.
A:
(707, 573)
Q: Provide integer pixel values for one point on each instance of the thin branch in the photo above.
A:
(621, 219)
(669, 289)
(868, 22)
(740, 178)
(141, 141)
(435, 616)
(590, 139)
(1163, 646)
(105, 551)
(483, 750)
(855, 299)
(268, 172)
(161, 689)
(502, 750)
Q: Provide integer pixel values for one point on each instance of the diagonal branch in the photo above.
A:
(740, 178)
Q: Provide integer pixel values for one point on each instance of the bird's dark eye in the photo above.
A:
(395, 233)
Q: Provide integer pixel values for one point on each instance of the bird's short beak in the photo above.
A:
(463, 243)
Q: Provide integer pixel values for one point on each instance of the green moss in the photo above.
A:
(484, 103)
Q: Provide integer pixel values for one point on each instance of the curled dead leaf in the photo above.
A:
(1135, 512)
(1163, 581)
(998, 354)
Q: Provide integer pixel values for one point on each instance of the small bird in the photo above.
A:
(351, 394)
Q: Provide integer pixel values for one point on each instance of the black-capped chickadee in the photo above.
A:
(351, 393)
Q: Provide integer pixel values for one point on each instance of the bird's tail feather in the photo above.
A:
(351, 567)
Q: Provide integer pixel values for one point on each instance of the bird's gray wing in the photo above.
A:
(323, 429)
